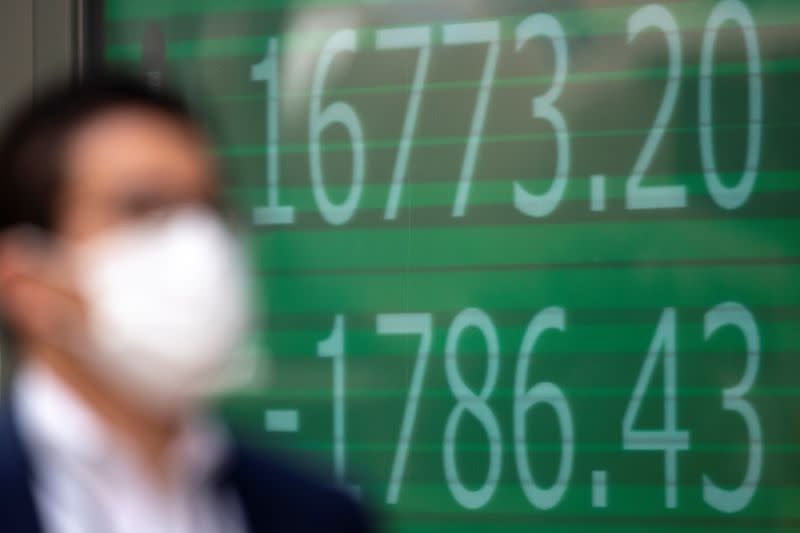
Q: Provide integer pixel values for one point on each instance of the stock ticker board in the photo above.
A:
(522, 265)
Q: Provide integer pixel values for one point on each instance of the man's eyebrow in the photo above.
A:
(141, 199)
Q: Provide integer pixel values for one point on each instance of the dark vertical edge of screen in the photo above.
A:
(89, 36)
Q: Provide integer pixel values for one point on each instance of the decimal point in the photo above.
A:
(599, 488)
(598, 192)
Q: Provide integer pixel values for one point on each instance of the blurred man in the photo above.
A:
(125, 297)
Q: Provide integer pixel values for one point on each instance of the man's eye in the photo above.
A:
(141, 204)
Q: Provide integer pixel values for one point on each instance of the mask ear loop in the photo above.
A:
(39, 252)
(12, 241)
(46, 250)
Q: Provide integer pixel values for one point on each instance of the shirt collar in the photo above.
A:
(58, 425)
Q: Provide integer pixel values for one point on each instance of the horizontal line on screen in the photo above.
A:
(760, 206)
(595, 519)
(638, 264)
(553, 447)
(241, 150)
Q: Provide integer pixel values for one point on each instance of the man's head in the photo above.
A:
(82, 162)
(111, 145)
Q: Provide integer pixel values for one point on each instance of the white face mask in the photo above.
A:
(168, 308)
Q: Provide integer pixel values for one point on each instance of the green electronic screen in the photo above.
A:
(522, 265)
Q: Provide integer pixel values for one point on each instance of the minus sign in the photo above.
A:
(282, 420)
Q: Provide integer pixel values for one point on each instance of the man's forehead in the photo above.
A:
(128, 163)
(141, 142)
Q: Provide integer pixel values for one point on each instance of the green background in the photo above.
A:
(613, 271)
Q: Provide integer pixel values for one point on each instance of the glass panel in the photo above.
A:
(524, 264)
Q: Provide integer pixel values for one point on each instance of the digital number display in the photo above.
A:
(521, 264)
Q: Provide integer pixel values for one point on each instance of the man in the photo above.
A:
(124, 294)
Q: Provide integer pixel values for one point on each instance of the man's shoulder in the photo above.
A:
(17, 507)
(14, 465)
(279, 496)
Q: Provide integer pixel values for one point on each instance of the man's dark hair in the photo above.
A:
(32, 144)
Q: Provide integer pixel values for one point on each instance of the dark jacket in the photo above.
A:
(273, 497)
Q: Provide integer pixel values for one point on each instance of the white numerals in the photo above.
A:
(267, 70)
(664, 196)
(474, 33)
(671, 440)
(421, 325)
(333, 347)
(474, 404)
(735, 315)
(549, 106)
(725, 196)
(398, 39)
(553, 318)
(544, 108)
(320, 119)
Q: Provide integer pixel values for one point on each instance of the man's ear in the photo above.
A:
(24, 259)
(23, 251)
(13, 265)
